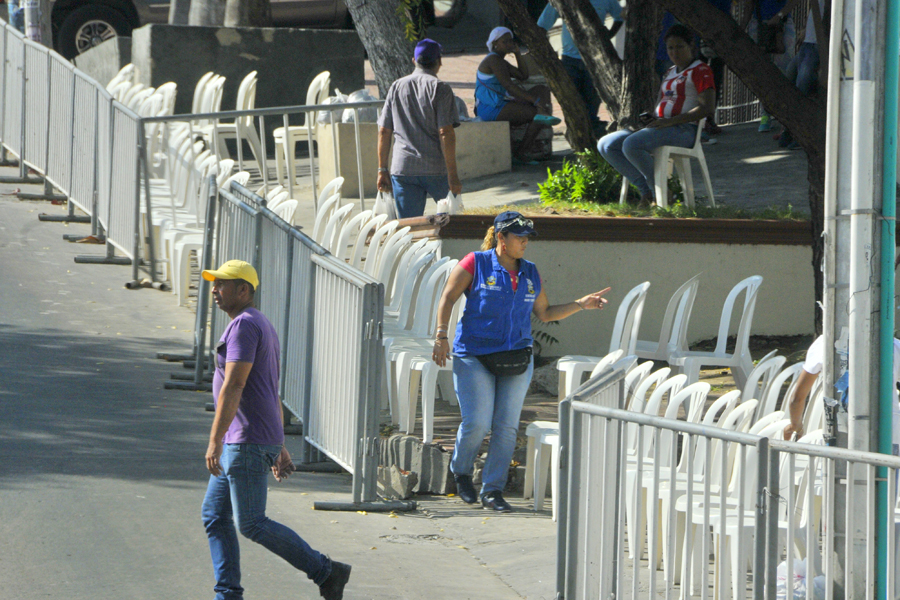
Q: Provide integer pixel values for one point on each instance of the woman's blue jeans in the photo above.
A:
(236, 501)
(487, 403)
(631, 152)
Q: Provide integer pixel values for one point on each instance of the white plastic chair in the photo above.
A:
(284, 147)
(286, 211)
(242, 128)
(740, 361)
(342, 244)
(126, 73)
(542, 457)
(770, 403)
(324, 212)
(673, 333)
(572, 368)
(334, 225)
(681, 157)
(760, 377)
(633, 379)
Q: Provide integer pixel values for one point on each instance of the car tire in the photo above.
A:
(89, 25)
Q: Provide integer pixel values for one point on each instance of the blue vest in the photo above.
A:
(496, 318)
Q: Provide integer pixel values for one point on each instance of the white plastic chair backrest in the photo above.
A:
(408, 297)
(277, 199)
(439, 282)
(748, 467)
(323, 213)
(334, 225)
(392, 291)
(387, 251)
(199, 90)
(426, 297)
(331, 188)
(135, 89)
(246, 98)
(670, 386)
(718, 411)
(691, 399)
(147, 104)
(273, 192)
(226, 165)
(765, 421)
(241, 178)
(770, 402)
(761, 376)
(341, 247)
(633, 379)
(736, 420)
(319, 85)
(374, 248)
(628, 319)
(606, 362)
(639, 403)
(169, 93)
(814, 413)
(126, 73)
(673, 333)
(812, 471)
(362, 239)
(384, 272)
(750, 288)
(121, 89)
(286, 210)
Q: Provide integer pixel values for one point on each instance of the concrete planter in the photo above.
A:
(579, 255)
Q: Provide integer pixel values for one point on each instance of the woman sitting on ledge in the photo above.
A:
(687, 95)
(497, 98)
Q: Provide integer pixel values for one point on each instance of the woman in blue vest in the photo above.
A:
(492, 362)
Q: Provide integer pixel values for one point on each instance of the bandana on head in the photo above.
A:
(496, 34)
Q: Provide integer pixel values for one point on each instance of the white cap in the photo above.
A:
(496, 34)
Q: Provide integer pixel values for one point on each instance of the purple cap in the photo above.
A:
(427, 52)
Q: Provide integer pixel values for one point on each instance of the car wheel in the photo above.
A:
(89, 26)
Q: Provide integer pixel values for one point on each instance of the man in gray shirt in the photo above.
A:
(420, 114)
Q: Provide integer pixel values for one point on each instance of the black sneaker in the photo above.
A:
(333, 587)
(494, 501)
(465, 489)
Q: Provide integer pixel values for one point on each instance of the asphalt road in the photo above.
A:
(102, 471)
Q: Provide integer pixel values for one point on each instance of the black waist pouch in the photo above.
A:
(506, 363)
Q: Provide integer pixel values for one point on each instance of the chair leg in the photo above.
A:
(661, 177)
(256, 147)
(528, 490)
(541, 468)
(623, 194)
(429, 386)
(554, 475)
(706, 180)
(412, 400)
(687, 179)
(279, 162)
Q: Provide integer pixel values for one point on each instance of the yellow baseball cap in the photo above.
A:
(234, 269)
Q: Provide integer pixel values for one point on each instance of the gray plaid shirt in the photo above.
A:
(416, 107)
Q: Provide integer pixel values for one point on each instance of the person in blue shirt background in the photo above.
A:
(502, 291)
(571, 57)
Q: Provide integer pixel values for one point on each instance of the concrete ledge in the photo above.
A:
(429, 462)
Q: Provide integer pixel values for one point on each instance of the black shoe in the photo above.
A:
(333, 587)
(465, 489)
(495, 501)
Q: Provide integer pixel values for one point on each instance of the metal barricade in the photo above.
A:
(85, 133)
(600, 476)
(14, 91)
(122, 224)
(346, 371)
(62, 109)
(37, 103)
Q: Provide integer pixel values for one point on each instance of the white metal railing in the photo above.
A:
(328, 316)
(777, 504)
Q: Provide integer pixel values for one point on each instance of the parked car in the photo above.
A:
(79, 25)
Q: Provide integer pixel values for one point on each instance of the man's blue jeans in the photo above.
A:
(585, 86)
(410, 191)
(631, 152)
(236, 501)
(804, 69)
(487, 403)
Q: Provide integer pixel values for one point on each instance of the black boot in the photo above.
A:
(465, 489)
(333, 587)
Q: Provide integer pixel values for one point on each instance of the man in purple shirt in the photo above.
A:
(247, 441)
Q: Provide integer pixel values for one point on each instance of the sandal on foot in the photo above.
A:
(547, 119)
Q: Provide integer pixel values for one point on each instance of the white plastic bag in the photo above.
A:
(366, 115)
(462, 111)
(799, 584)
(326, 117)
(452, 204)
(385, 205)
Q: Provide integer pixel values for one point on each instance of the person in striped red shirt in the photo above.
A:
(687, 95)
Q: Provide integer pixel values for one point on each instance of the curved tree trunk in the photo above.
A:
(578, 124)
(382, 34)
(640, 83)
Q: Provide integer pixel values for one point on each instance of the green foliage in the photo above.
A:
(541, 337)
(412, 17)
(586, 179)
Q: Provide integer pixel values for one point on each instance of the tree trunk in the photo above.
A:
(379, 28)
(640, 89)
(578, 124)
(600, 57)
(209, 13)
(179, 11)
(248, 13)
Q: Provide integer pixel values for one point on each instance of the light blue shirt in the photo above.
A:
(603, 8)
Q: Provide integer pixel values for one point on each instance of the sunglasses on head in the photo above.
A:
(520, 221)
